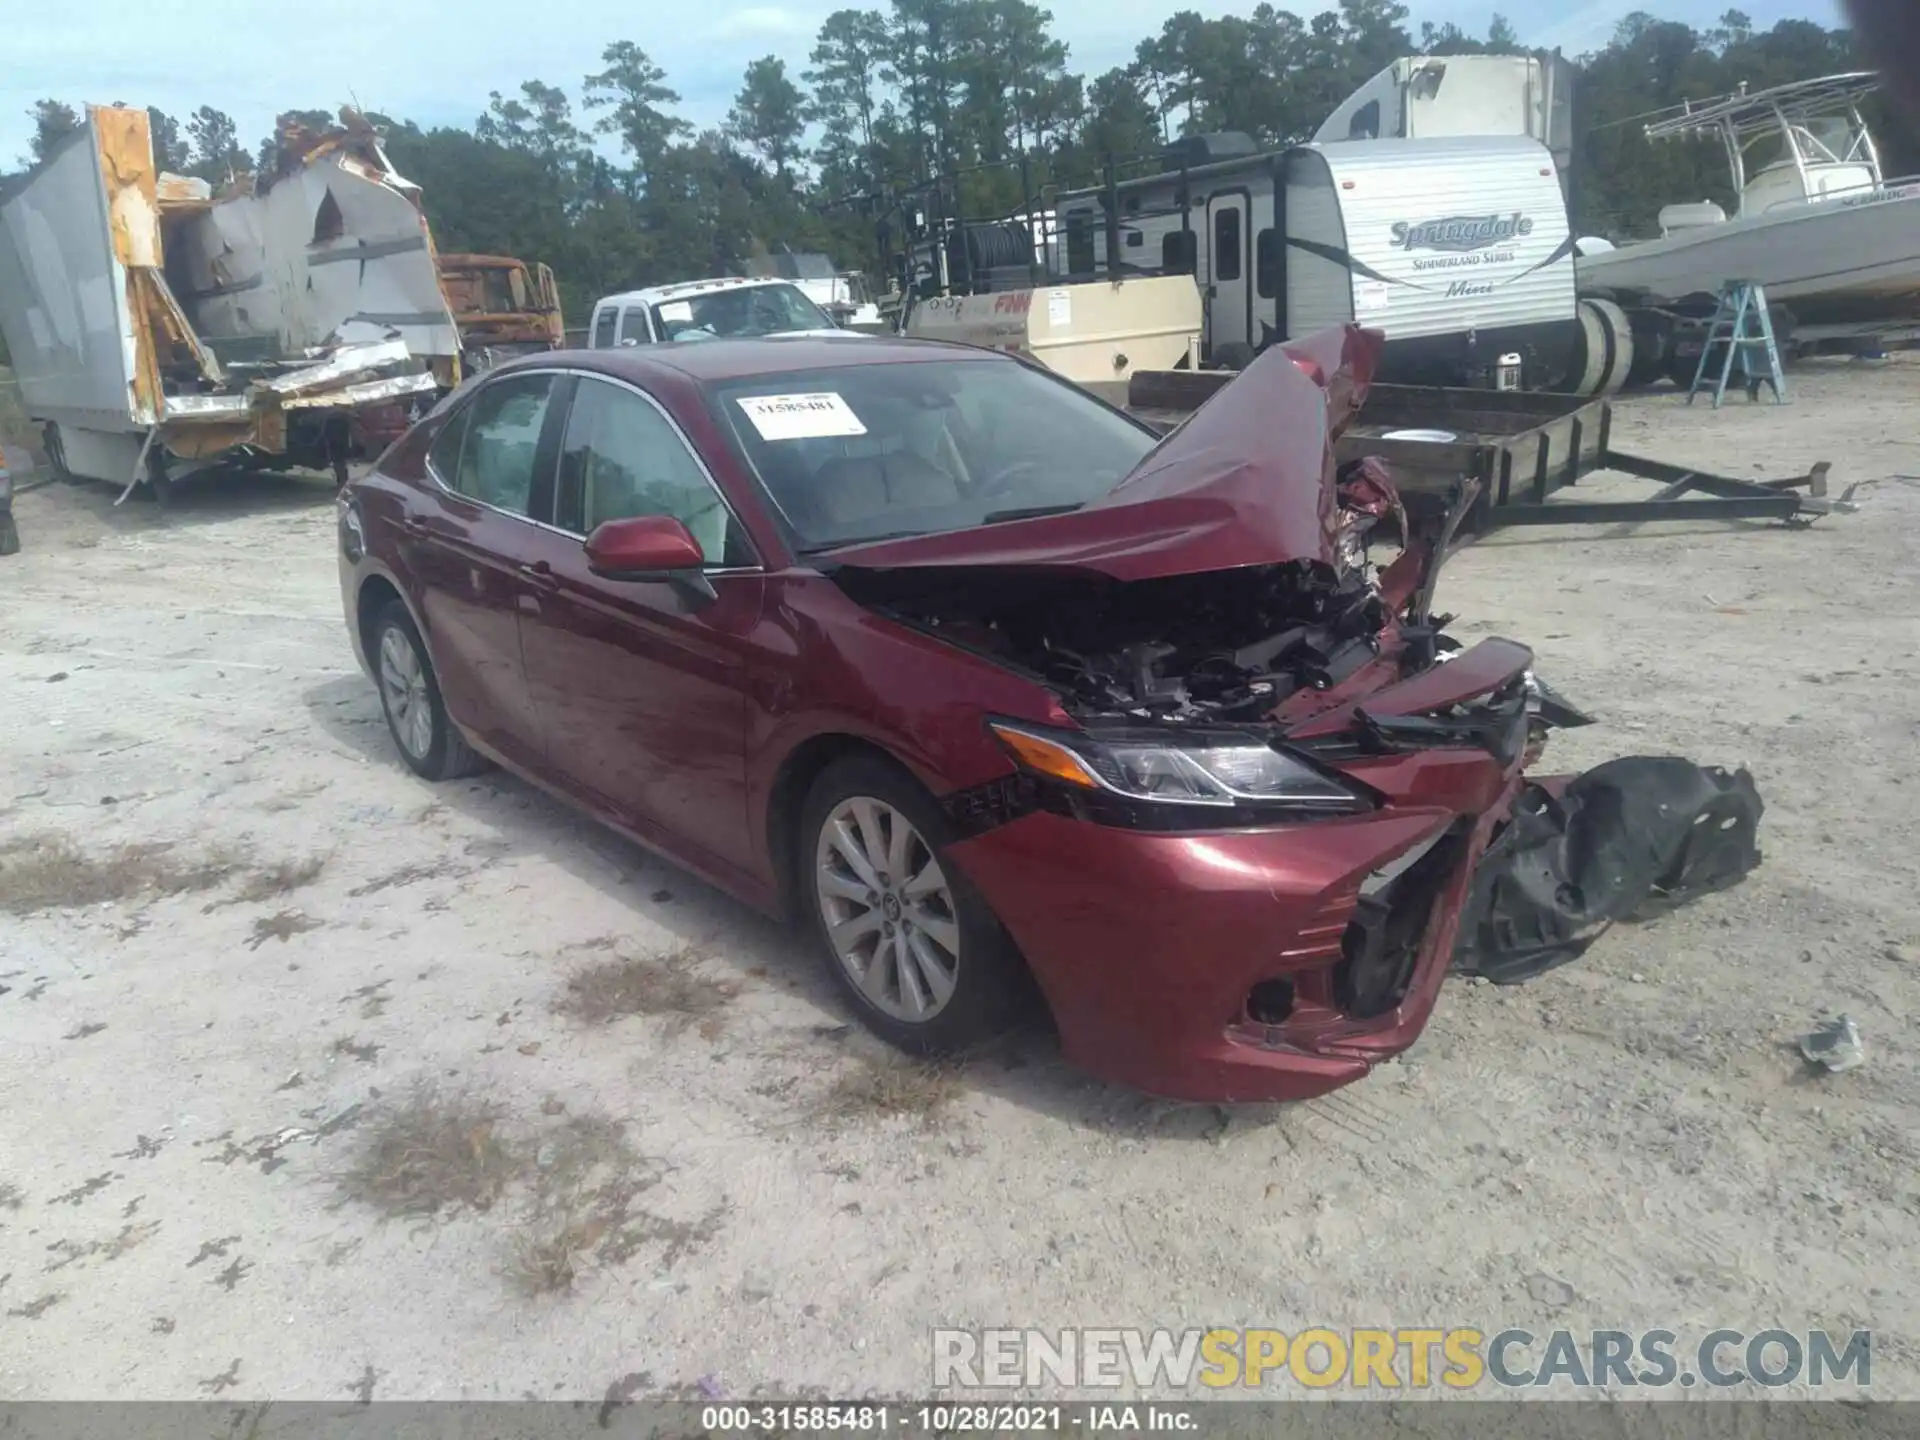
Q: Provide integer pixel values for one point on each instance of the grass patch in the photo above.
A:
(46, 872)
(431, 1155)
(892, 1086)
(50, 872)
(566, 1192)
(584, 1181)
(670, 987)
(271, 881)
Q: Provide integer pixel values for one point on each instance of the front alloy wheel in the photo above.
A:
(907, 939)
(888, 909)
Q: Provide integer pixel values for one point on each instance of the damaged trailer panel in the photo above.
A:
(330, 244)
(120, 373)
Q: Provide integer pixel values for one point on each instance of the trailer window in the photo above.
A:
(1079, 245)
(1266, 262)
(1226, 244)
(1176, 252)
(1365, 124)
(603, 324)
(328, 222)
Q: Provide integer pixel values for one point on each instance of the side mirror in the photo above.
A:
(649, 548)
(630, 340)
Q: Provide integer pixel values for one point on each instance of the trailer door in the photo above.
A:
(1229, 292)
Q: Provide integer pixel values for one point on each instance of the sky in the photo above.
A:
(435, 61)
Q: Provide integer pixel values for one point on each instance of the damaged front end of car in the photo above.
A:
(1265, 761)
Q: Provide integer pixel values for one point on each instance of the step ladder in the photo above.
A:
(1743, 325)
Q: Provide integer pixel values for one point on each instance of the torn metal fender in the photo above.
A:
(1627, 840)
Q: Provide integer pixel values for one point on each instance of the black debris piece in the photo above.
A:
(1628, 840)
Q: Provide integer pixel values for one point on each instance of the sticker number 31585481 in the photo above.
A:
(800, 417)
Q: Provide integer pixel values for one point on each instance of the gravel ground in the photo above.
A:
(368, 1087)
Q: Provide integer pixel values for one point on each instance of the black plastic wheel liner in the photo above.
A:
(1628, 840)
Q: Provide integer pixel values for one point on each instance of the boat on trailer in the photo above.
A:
(1834, 242)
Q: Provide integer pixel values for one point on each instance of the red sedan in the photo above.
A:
(979, 677)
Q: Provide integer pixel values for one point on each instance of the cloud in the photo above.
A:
(767, 20)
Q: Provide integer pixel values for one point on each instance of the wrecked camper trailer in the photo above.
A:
(156, 328)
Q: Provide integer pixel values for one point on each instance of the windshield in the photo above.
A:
(755, 310)
(861, 452)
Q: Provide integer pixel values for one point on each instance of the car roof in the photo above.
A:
(680, 290)
(706, 361)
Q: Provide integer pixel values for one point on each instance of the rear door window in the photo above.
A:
(633, 324)
(444, 455)
(502, 443)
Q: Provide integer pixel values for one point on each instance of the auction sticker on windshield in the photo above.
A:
(800, 417)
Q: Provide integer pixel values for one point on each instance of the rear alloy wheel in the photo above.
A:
(410, 698)
(910, 942)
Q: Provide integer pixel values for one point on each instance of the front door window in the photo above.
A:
(622, 458)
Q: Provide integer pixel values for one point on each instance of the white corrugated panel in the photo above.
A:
(1450, 235)
(1320, 290)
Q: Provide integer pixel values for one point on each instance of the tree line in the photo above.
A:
(615, 189)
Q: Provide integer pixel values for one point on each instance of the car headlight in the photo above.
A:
(1223, 771)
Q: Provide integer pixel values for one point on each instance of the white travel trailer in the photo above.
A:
(1457, 249)
(1426, 97)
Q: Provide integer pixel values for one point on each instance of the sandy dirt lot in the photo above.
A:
(367, 1087)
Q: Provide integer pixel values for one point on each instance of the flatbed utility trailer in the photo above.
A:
(1520, 447)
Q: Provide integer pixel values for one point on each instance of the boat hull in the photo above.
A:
(1844, 261)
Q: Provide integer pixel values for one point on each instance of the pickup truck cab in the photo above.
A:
(706, 310)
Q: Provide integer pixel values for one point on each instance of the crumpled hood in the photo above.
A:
(1248, 479)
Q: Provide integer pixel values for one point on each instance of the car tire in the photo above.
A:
(426, 738)
(931, 931)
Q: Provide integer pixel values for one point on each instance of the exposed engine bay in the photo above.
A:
(1222, 646)
(1217, 647)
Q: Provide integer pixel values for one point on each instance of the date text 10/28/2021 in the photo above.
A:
(854, 1417)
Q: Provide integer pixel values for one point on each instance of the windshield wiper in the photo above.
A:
(992, 517)
(832, 545)
(1029, 512)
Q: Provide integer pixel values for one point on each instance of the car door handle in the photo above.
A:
(413, 525)
(538, 573)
